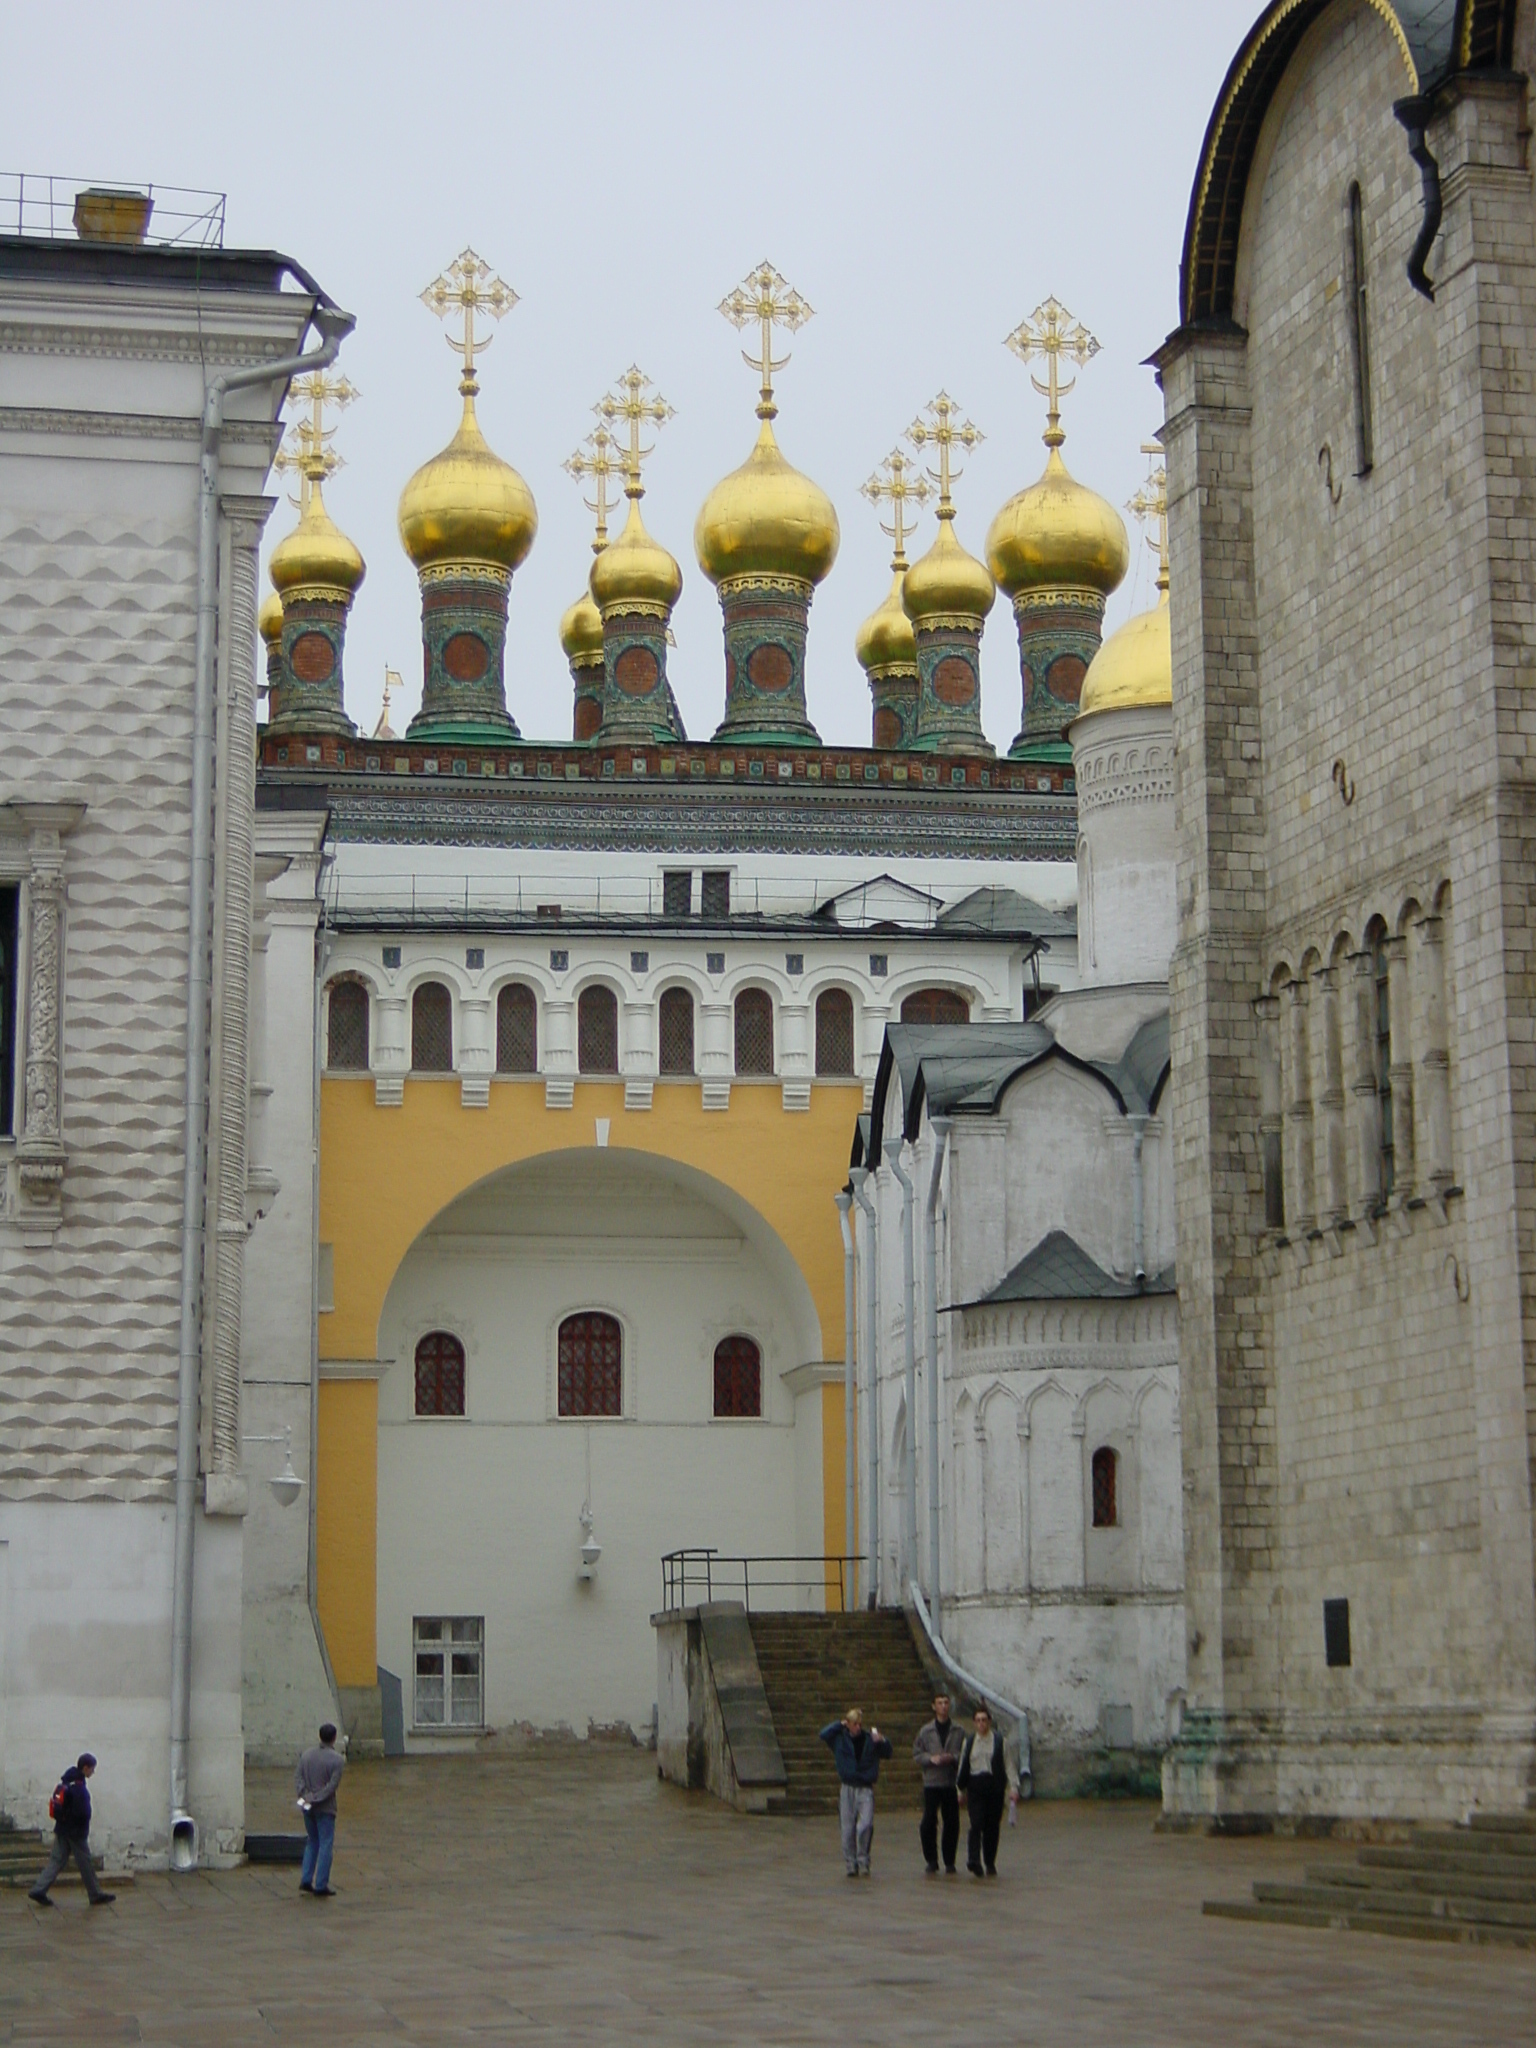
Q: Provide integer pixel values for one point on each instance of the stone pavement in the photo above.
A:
(567, 1896)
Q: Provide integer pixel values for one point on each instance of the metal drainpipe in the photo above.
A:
(940, 1128)
(1138, 1198)
(909, 1477)
(860, 1178)
(334, 326)
(848, 1483)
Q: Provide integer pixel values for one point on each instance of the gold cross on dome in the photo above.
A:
(939, 425)
(467, 287)
(634, 400)
(1151, 502)
(1050, 333)
(769, 299)
(306, 446)
(898, 482)
(596, 458)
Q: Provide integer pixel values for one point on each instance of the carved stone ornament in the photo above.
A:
(40, 1155)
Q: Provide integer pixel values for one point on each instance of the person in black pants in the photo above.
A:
(937, 1749)
(987, 1776)
(71, 1811)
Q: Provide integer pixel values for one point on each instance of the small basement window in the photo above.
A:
(1105, 1507)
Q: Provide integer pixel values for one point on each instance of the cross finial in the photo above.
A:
(468, 286)
(898, 482)
(307, 446)
(770, 300)
(392, 682)
(940, 425)
(634, 400)
(1051, 332)
(596, 458)
(1151, 502)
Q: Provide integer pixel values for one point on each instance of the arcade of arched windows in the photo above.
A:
(1355, 1072)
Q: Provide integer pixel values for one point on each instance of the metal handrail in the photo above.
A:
(38, 204)
(702, 1572)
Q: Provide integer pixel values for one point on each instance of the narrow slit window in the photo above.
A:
(346, 1044)
(597, 1031)
(1105, 1507)
(432, 1029)
(517, 1030)
(1360, 335)
(754, 1032)
(1383, 976)
(834, 1032)
(676, 1031)
(9, 899)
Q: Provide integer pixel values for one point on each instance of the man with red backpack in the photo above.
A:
(70, 1811)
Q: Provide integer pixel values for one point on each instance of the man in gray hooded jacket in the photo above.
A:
(937, 1748)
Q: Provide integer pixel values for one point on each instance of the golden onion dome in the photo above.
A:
(316, 555)
(1058, 532)
(947, 581)
(635, 569)
(1133, 670)
(269, 620)
(766, 519)
(581, 630)
(885, 640)
(467, 505)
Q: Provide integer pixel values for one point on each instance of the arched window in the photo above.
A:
(597, 1031)
(677, 1031)
(935, 1006)
(1105, 1512)
(738, 1377)
(439, 1375)
(346, 1036)
(1381, 965)
(834, 1032)
(517, 1030)
(432, 1029)
(591, 1366)
(1360, 334)
(754, 1032)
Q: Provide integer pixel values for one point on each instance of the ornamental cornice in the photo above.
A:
(134, 426)
(634, 608)
(1059, 597)
(132, 344)
(491, 574)
(1143, 785)
(968, 623)
(781, 586)
(1131, 1356)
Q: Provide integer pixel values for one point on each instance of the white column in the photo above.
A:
(1295, 1056)
(1432, 1097)
(1364, 1090)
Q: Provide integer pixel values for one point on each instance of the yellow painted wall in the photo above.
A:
(834, 1480)
(346, 1526)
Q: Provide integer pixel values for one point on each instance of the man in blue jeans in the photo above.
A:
(315, 1781)
(857, 1755)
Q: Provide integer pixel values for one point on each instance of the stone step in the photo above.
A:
(1361, 1921)
(1450, 1883)
(1503, 1824)
(1467, 1861)
(1347, 1898)
(1476, 1842)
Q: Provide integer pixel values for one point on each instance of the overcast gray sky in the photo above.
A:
(923, 174)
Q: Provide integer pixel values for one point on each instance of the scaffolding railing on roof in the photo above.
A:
(37, 204)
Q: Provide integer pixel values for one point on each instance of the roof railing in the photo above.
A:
(35, 204)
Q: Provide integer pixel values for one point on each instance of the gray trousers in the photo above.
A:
(65, 1846)
(856, 1811)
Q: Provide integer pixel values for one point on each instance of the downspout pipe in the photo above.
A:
(334, 326)
(871, 1362)
(1138, 1198)
(1003, 1709)
(850, 1450)
(908, 1277)
(940, 1127)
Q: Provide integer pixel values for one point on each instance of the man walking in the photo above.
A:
(989, 1778)
(937, 1748)
(70, 1809)
(315, 1780)
(857, 1754)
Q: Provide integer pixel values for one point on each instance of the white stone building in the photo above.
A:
(141, 381)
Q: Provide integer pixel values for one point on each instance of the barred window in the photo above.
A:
(1105, 1514)
(715, 893)
(346, 1037)
(449, 1687)
(439, 1375)
(591, 1366)
(935, 1006)
(432, 1029)
(738, 1377)
(677, 1031)
(754, 1032)
(677, 892)
(597, 1031)
(517, 1030)
(834, 1032)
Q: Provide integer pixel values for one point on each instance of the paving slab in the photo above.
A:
(568, 1896)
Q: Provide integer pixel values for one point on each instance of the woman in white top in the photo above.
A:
(989, 1778)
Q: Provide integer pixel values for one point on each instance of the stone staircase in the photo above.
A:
(22, 1855)
(1475, 1883)
(814, 1667)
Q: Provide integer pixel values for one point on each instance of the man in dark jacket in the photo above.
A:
(71, 1835)
(937, 1748)
(315, 1781)
(989, 1778)
(857, 1755)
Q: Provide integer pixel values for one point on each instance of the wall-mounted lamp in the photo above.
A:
(591, 1549)
(286, 1485)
